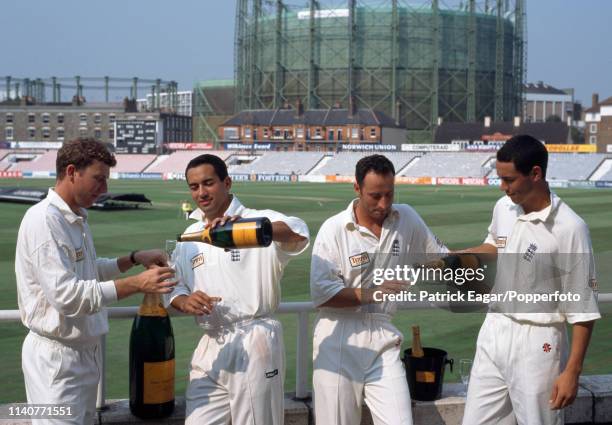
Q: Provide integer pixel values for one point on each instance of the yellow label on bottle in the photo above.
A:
(150, 309)
(425, 376)
(206, 236)
(245, 234)
(158, 382)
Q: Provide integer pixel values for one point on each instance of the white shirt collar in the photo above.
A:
(544, 213)
(350, 220)
(58, 202)
(235, 208)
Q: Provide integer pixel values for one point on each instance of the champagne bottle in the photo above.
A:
(242, 233)
(152, 361)
(417, 349)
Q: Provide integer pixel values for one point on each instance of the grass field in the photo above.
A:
(458, 215)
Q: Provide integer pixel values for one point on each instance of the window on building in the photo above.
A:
(82, 131)
(330, 134)
(247, 132)
(354, 132)
(46, 132)
(277, 133)
(97, 118)
(111, 118)
(8, 133)
(372, 132)
(111, 134)
(31, 132)
(266, 133)
(593, 128)
(60, 133)
(45, 118)
(230, 133)
(593, 140)
(83, 118)
(97, 134)
(60, 118)
(9, 118)
(318, 132)
(299, 132)
(31, 118)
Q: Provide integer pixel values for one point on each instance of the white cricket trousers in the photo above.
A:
(357, 355)
(58, 374)
(237, 376)
(514, 369)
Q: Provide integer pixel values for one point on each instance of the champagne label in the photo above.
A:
(158, 382)
(152, 309)
(244, 234)
(425, 376)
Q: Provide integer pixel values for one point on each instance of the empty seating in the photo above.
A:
(280, 163)
(456, 164)
(572, 166)
(343, 163)
(132, 163)
(177, 161)
(45, 162)
(569, 166)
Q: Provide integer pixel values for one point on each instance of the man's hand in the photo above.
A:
(156, 280)
(564, 390)
(152, 257)
(198, 303)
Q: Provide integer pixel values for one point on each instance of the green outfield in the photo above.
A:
(458, 215)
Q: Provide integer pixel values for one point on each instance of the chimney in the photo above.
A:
(487, 122)
(352, 107)
(595, 100)
(517, 121)
(398, 108)
(299, 107)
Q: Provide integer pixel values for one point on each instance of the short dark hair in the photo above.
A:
(82, 153)
(524, 152)
(217, 163)
(380, 164)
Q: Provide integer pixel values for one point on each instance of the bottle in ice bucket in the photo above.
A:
(425, 369)
(242, 233)
(417, 348)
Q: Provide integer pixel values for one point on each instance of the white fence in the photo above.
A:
(300, 309)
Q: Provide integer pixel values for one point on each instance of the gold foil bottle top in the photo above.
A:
(152, 306)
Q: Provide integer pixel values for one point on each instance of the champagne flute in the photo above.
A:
(465, 368)
(170, 250)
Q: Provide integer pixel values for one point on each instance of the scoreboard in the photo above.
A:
(137, 136)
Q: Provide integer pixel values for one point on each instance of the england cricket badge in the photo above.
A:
(546, 347)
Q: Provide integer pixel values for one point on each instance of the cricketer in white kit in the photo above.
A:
(356, 348)
(522, 370)
(63, 287)
(238, 367)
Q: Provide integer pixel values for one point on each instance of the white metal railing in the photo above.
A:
(301, 309)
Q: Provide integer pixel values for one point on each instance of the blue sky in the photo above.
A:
(190, 40)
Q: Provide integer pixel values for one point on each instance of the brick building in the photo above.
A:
(598, 124)
(318, 129)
